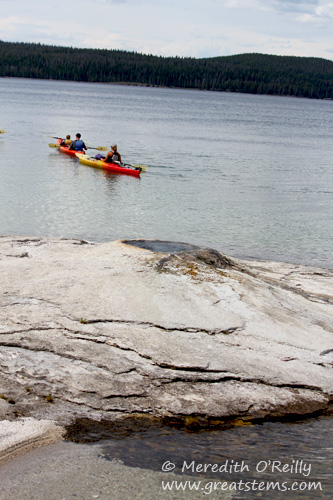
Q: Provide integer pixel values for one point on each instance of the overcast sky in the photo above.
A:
(196, 28)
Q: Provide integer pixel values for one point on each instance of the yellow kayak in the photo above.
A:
(111, 167)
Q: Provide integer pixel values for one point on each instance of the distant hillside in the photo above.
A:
(250, 73)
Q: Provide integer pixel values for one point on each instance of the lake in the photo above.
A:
(248, 175)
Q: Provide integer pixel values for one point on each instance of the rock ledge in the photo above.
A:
(106, 330)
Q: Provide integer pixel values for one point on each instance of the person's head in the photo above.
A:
(78, 136)
(114, 147)
(68, 136)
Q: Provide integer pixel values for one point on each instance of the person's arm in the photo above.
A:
(84, 146)
(119, 158)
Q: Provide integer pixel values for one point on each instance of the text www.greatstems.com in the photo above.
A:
(209, 486)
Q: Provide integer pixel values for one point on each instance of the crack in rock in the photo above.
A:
(214, 331)
(328, 351)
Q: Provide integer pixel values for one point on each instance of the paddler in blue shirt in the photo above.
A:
(78, 144)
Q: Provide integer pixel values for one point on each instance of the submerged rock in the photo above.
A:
(107, 330)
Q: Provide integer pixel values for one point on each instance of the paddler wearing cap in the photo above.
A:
(113, 155)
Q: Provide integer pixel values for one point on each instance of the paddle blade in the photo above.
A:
(52, 145)
(2, 131)
(138, 165)
(99, 148)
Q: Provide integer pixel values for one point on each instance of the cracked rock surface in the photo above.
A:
(109, 329)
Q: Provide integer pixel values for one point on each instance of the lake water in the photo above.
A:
(294, 455)
(251, 176)
(248, 175)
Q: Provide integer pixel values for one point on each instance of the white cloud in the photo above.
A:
(239, 4)
(274, 5)
(196, 28)
(325, 10)
(10, 24)
(308, 18)
(321, 15)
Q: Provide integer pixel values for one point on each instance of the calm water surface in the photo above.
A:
(248, 175)
(251, 176)
(291, 455)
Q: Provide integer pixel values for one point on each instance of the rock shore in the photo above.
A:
(105, 330)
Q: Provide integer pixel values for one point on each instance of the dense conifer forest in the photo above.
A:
(250, 73)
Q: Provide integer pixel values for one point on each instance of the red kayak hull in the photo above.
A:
(71, 152)
(110, 167)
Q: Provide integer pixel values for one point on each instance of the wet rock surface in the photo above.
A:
(102, 331)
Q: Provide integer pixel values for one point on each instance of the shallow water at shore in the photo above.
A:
(130, 465)
(271, 451)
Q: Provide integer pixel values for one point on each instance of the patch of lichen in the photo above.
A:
(7, 398)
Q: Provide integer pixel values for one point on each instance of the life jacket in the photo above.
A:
(115, 156)
(79, 145)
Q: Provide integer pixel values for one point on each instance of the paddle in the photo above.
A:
(136, 165)
(143, 168)
(126, 165)
(2, 131)
(100, 148)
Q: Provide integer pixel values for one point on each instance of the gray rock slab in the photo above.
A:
(107, 330)
(26, 434)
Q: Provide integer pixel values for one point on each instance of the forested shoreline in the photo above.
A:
(248, 73)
